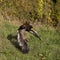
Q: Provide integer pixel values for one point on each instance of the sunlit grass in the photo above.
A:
(48, 49)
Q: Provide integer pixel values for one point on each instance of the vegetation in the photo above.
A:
(46, 11)
(45, 17)
(48, 49)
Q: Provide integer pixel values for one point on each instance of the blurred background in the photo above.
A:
(44, 15)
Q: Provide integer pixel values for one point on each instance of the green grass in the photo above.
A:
(48, 49)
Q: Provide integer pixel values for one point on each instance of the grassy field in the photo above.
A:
(48, 49)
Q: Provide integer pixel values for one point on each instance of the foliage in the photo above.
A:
(45, 11)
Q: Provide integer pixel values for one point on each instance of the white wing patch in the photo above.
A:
(19, 40)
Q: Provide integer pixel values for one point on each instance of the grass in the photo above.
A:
(48, 49)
